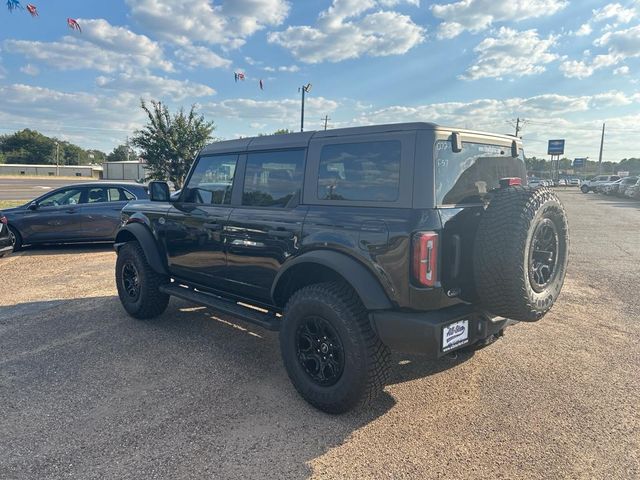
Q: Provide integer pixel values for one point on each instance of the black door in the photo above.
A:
(195, 223)
(56, 217)
(265, 231)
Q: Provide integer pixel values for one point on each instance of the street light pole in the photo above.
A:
(304, 89)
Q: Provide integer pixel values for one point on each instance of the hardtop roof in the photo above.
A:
(301, 139)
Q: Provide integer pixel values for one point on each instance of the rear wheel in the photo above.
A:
(332, 355)
(521, 253)
(16, 238)
(138, 284)
(584, 189)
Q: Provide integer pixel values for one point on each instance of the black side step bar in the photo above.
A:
(268, 320)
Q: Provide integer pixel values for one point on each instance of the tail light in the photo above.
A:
(510, 182)
(4, 220)
(425, 258)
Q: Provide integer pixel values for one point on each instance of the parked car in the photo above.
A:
(352, 242)
(590, 185)
(562, 182)
(86, 212)
(6, 246)
(534, 182)
(609, 187)
(574, 182)
(625, 183)
(633, 191)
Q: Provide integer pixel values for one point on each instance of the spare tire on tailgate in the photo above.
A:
(520, 253)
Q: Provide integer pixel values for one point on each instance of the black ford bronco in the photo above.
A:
(352, 243)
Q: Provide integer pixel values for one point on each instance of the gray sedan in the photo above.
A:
(88, 212)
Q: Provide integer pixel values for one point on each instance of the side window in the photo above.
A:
(69, 196)
(97, 195)
(125, 196)
(368, 171)
(273, 179)
(212, 180)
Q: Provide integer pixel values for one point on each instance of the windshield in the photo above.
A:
(467, 176)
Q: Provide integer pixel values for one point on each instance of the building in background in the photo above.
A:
(16, 169)
(127, 170)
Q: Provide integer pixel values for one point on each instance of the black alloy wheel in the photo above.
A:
(131, 280)
(543, 255)
(320, 351)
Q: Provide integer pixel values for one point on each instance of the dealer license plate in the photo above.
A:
(455, 335)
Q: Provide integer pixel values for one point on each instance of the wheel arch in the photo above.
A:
(322, 266)
(141, 234)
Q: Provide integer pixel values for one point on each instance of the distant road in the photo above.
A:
(26, 188)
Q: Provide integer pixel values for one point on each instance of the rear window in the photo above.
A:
(467, 176)
(367, 171)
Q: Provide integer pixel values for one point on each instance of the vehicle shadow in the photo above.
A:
(65, 249)
(205, 391)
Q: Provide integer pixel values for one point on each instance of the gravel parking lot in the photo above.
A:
(87, 392)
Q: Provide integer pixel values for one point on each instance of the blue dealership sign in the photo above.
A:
(579, 162)
(556, 147)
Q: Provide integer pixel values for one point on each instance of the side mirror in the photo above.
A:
(514, 149)
(159, 192)
(33, 206)
(456, 142)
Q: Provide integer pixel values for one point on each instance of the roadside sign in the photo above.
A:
(556, 147)
(579, 162)
(623, 174)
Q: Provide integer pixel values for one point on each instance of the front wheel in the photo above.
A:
(584, 189)
(16, 238)
(138, 284)
(332, 355)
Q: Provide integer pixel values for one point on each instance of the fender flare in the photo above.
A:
(147, 241)
(363, 281)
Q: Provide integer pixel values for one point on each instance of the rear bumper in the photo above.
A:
(422, 332)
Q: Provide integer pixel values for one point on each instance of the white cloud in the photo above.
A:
(228, 23)
(511, 53)
(194, 56)
(283, 113)
(344, 31)
(614, 11)
(620, 45)
(102, 47)
(584, 30)
(478, 15)
(147, 85)
(93, 121)
(623, 70)
(30, 70)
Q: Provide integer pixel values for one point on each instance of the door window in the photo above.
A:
(368, 171)
(212, 180)
(97, 195)
(274, 179)
(69, 196)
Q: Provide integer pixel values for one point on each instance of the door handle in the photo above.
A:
(279, 233)
(213, 226)
(71, 210)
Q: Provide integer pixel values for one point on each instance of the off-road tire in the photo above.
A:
(17, 242)
(503, 248)
(150, 301)
(584, 189)
(366, 358)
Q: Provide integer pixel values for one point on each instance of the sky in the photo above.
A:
(565, 67)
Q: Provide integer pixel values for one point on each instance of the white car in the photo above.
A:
(534, 182)
(590, 185)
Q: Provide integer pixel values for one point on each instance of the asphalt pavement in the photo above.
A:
(87, 392)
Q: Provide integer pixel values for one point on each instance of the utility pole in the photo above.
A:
(517, 126)
(304, 89)
(601, 149)
(57, 160)
(326, 119)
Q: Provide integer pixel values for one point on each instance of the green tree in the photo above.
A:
(169, 143)
(28, 146)
(122, 153)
